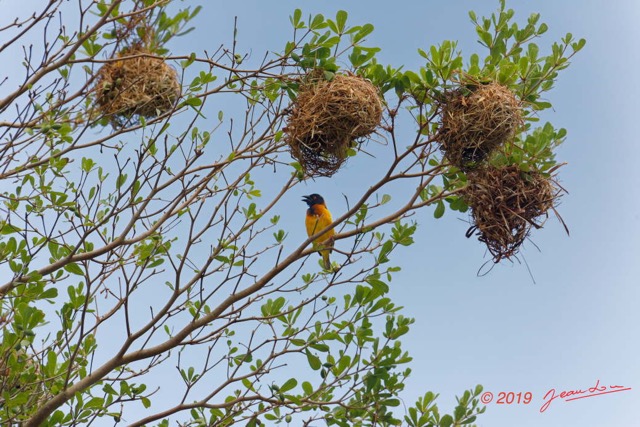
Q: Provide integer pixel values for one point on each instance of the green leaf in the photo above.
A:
(329, 76)
(74, 269)
(307, 387)
(56, 418)
(289, 385)
(8, 228)
(50, 293)
(51, 362)
(314, 361)
(542, 29)
(317, 22)
(107, 388)
(485, 36)
(364, 32)
(145, 401)
(378, 285)
(439, 210)
(87, 164)
(386, 249)
(193, 102)
(188, 61)
(295, 19)
(578, 45)
(446, 421)
(341, 20)
(121, 180)
(95, 402)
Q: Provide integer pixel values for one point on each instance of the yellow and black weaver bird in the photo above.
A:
(318, 217)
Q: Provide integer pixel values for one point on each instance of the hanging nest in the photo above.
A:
(328, 118)
(476, 119)
(130, 88)
(505, 203)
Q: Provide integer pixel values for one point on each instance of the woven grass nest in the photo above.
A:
(505, 203)
(328, 118)
(130, 88)
(476, 119)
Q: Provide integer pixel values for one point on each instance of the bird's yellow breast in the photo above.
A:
(318, 217)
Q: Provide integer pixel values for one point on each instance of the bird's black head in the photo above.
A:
(313, 199)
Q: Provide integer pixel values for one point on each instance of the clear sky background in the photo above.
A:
(578, 323)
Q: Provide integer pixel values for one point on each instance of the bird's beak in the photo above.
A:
(306, 199)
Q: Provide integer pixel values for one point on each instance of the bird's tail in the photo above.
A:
(325, 259)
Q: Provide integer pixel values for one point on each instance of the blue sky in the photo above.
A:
(578, 322)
